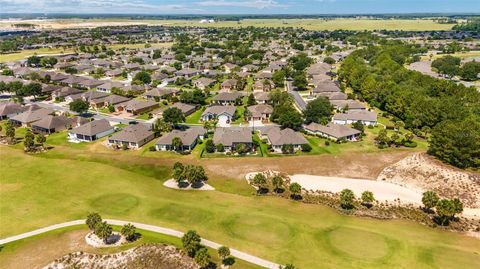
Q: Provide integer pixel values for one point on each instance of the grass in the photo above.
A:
(43, 189)
(195, 117)
(309, 24)
(23, 54)
(144, 116)
(58, 242)
(14, 56)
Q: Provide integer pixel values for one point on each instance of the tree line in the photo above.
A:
(448, 112)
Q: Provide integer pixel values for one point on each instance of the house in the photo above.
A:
(135, 106)
(64, 92)
(31, 115)
(187, 109)
(114, 73)
(351, 116)
(326, 87)
(333, 131)
(261, 97)
(10, 109)
(187, 73)
(107, 87)
(91, 131)
(348, 104)
(229, 67)
(160, 93)
(107, 101)
(51, 124)
(203, 83)
(132, 136)
(189, 138)
(90, 83)
(228, 85)
(231, 137)
(86, 96)
(277, 138)
(261, 112)
(227, 98)
(263, 85)
(224, 114)
(333, 95)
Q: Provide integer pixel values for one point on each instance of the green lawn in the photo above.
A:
(195, 117)
(24, 246)
(43, 189)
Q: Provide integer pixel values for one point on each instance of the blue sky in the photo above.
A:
(239, 7)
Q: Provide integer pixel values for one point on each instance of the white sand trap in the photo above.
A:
(171, 183)
(382, 191)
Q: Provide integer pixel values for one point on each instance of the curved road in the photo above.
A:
(235, 253)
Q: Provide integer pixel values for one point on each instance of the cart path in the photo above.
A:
(235, 253)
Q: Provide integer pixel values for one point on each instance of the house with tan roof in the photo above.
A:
(231, 137)
(333, 131)
(260, 112)
(364, 116)
(51, 124)
(91, 131)
(277, 138)
(189, 138)
(135, 106)
(132, 136)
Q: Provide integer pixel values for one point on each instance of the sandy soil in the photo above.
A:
(382, 191)
(171, 183)
(421, 171)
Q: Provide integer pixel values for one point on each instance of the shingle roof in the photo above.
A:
(32, 115)
(7, 108)
(187, 136)
(218, 110)
(92, 128)
(287, 136)
(228, 136)
(259, 110)
(331, 129)
(50, 122)
(361, 115)
(227, 96)
(133, 133)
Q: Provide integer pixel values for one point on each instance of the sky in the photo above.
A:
(239, 7)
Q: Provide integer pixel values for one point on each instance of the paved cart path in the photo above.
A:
(236, 253)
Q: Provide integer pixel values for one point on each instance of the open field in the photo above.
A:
(462, 55)
(309, 24)
(39, 250)
(43, 189)
(23, 54)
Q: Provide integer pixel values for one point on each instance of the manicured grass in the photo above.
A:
(144, 116)
(43, 189)
(58, 242)
(195, 117)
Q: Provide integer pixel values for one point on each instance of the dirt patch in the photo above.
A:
(351, 165)
(424, 172)
(146, 256)
(46, 249)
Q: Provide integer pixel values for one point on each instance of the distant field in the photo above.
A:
(14, 56)
(462, 55)
(310, 24)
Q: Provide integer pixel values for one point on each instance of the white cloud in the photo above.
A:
(259, 4)
(91, 6)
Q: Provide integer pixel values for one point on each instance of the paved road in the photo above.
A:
(236, 253)
(296, 96)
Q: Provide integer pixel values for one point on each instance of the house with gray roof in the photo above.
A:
(189, 138)
(10, 109)
(86, 96)
(231, 137)
(108, 85)
(348, 104)
(159, 93)
(33, 114)
(364, 116)
(333, 131)
(136, 106)
(203, 83)
(107, 101)
(260, 112)
(224, 114)
(132, 136)
(51, 124)
(226, 98)
(91, 131)
(277, 138)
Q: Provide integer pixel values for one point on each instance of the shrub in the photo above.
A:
(306, 148)
(152, 148)
(327, 143)
(410, 144)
